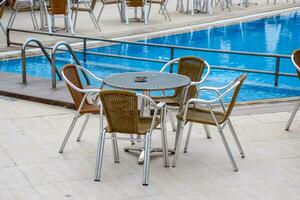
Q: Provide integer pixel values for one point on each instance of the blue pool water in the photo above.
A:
(278, 34)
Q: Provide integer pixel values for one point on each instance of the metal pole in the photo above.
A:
(7, 37)
(277, 71)
(53, 71)
(171, 58)
(24, 81)
(84, 50)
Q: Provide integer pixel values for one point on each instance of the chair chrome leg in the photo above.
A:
(99, 157)
(206, 129)
(172, 121)
(180, 133)
(69, 132)
(227, 149)
(98, 18)
(83, 127)
(188, 137)
(115, 149)
(291, 119)
(236, 139)
(177, 133)
(2, 27)
(164, 139)
(132, 139)
(147, 159)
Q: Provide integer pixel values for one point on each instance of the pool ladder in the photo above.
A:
(51, 58)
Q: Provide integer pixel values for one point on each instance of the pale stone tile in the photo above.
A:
(23, 193)
(12, 177)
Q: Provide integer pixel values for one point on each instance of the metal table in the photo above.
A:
(154, 81)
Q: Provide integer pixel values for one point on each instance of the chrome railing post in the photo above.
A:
(7, 37)
(53, 70)
(24, 81)
(276, 78)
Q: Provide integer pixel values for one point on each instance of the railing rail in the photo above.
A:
(53, 58)
(276, 73)
(23, 56)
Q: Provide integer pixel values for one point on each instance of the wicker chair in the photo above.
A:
(108, 2)
(192, 67)
(89, 6)
(2, 9)
(209, 116)
(162, 8)
(296, 61)
(19, 5)
(80, 97)
(121, 111)
(59, 7)
(135, 4)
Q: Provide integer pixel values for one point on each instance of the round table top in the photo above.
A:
(146, 81)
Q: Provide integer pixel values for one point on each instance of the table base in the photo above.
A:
(141, 149)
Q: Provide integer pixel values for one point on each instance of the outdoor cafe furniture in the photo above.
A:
(109, 2)
(122, 115)
(135, 4)
(2, 9)
(17, 6)
(193, 68)
(146, 82)
(80, 95)
(89, 7)
(296, 61)
(162, 8)
(57, 8)
(204, 112)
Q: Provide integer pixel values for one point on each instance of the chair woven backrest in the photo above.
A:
(296, 59)
(121, 110)
(135, 3)
(59, 7)
(235, 94)
(193, 68)
(71, 73)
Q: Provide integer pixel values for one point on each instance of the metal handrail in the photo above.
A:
(23, 55)
(276, 72)
(53, 58)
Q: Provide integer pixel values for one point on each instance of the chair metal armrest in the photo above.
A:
(169, 63)
(205, 76)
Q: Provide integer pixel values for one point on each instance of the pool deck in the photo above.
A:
(32, 169)
(113, 28)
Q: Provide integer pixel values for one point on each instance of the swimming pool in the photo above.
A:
(277, 34)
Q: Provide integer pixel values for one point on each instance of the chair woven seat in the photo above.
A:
(168, 100)
(144, 125)
(199, 115)
(89, 108)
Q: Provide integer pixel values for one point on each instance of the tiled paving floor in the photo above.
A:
(31, 167)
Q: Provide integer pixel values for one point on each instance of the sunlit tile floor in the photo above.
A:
(31, 167)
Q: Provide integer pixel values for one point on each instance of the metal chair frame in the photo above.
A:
(162, 8)
(297, 106)
(15, 8)
(209, 104)
(197, 84)
(274, 1)
(87, 93)
(89, 7)
(118, 2)
(145, 9)
(147, 140)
